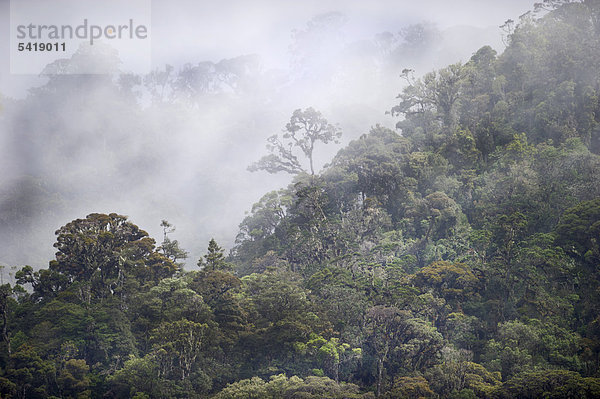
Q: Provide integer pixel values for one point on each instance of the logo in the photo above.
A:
(80, 36)
(83, 31)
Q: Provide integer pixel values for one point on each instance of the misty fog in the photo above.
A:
(175, 144)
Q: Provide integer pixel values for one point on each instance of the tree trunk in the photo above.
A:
(5, 337)
(379, 375)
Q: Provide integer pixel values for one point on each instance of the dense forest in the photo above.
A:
(455, 257)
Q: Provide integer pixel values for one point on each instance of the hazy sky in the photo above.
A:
(189, 30)
(222, 29)
(197, 177)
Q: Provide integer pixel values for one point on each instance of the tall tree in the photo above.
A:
(304, 129)
(170, 248)
(214, 258)
(98, 252)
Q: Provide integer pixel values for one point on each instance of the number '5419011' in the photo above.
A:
(35, 46)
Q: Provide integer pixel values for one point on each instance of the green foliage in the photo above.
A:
(138, 376)
(579, 228)
(279, 386)
(100, 252)
(170, 248)
(397, 336)
(29, 373)
(330, 353)
(179, 342)
(73, 380)
(452, 281)
(214, 258)
(455, 258)
(410, 387)
(520, 347)
(549, 384)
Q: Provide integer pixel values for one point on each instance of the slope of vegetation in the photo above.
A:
(458, 258)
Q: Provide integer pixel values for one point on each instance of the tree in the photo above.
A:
(331, 353)
(384, 332)
(30, 373)
(280, 386)
(410, 387)
(100, 251)
(182, 341)
(579, 228)
(137, 375)
(591, 6)
(395, 333)
(454, 282)
(262, 230)
(73, 380)
(371, 167)
(302, 132)
(214, 258)
(159, 84)
(552, 384)
(507, 234)
(427, 102)
(170, 300)
(170, 248)
(281, 315)
(6, 293)
(220, 289)
(46, 283)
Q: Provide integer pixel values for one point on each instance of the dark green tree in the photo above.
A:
(214, 258)
(100, 252)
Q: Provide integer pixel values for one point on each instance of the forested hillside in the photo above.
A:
(455, 257)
